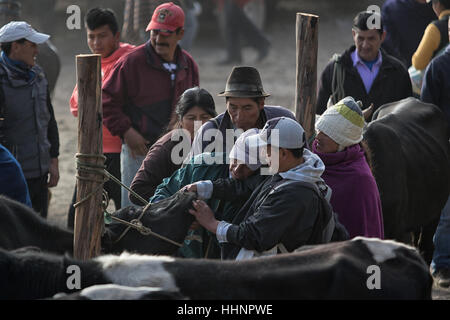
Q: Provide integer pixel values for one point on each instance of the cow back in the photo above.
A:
(410, 162)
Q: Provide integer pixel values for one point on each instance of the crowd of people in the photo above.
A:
(263, 188)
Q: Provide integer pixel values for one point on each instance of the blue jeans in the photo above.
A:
(129, 166)
(441, 240)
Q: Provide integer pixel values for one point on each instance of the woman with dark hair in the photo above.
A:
(355, 196)
(167, 154)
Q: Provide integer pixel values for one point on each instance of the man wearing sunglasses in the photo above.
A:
(140, 96)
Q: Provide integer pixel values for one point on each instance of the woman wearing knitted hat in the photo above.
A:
(355, 194)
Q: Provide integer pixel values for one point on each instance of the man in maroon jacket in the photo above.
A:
(140, 96)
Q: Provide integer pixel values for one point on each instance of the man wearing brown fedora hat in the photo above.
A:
(244, 97)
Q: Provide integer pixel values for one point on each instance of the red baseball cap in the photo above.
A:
(167, 16)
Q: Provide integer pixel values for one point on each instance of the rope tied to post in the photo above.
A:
(97, 169)
(90, 168)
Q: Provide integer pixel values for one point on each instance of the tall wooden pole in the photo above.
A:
(307, 30)
(89, 214)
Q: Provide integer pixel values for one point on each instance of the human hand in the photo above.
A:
(204, 215)
(135, 142)
(53, 173)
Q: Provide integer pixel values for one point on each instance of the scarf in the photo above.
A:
(355, 195)
(19, 68)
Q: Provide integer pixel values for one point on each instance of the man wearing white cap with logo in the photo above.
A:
(284, 211)
(29, 128)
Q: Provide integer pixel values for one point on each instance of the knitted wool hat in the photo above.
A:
(343, 122)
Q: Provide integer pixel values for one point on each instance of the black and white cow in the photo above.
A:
(356, 269)
(20, 227)
(409, 142)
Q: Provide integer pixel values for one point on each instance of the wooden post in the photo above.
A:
(307, 26)
(89, 214)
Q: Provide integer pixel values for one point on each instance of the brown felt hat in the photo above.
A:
(244, 82)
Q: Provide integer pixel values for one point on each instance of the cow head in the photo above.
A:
(169, 218)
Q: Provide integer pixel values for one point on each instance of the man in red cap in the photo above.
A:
(140, 96)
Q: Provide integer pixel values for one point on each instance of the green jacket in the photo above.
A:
(198, 169)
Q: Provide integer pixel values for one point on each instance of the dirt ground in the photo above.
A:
(277, 70)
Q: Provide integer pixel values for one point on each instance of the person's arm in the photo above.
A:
(53, 137)
(407, 85)
(428, 45)
(269, 225)
(156, 166)
(431, 86)
(172, 184)
(114, 98)
(232, 189)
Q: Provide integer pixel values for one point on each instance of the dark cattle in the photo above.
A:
(169, 218)
(21, 226)
(49, 60)
(339, 270)
(410, 158)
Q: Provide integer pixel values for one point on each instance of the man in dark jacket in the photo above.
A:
(270, 220)
(436, 90)
(139, 97)
(30, 127)
(245, 99)
(364, 71)
(404, 22)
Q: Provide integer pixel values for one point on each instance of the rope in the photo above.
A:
(100, 170)
(337, 82)
(90, 168)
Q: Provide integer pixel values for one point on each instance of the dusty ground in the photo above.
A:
(277, 71)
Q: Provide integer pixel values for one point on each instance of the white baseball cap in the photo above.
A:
(16, 30)
(241, 151)
(280, 132)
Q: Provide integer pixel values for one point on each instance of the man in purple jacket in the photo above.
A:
(140, 96)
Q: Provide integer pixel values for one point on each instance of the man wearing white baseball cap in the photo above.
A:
(29, 127)
(16, 30)
(284, 211)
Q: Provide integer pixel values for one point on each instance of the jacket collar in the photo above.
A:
(16, 74)
(348, 62)
(155, 60)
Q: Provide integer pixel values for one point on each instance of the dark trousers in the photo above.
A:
(112, 164)
(237, 24)
(38, 190)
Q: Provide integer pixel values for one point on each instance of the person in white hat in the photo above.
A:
(241, 164)
(355, 195)
(30, 128)
(284, 211)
